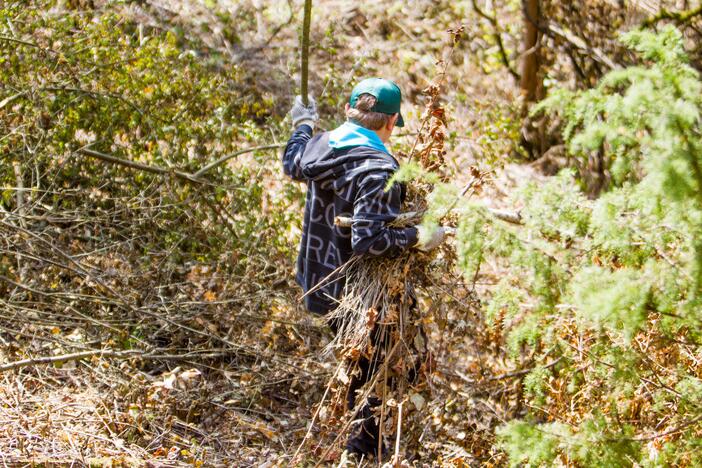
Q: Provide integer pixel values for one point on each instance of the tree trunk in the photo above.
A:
(530, 59)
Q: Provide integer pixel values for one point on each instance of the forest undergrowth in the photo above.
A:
(149, 311)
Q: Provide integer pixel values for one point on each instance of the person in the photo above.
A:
(347, 171)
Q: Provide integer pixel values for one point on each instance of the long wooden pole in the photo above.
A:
(305, 50)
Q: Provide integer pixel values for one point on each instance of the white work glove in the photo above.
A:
(304, 115)
(429, 239)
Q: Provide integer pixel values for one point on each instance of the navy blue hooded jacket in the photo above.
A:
(342, 182)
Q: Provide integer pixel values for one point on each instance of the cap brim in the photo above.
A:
(400, 121)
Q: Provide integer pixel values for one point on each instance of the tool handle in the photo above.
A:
(304, 65)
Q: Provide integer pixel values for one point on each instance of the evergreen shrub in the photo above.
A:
(602, 297)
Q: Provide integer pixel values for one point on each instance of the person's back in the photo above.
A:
(347, 181)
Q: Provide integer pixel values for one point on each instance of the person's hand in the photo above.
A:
(302, 114)
(429, 239)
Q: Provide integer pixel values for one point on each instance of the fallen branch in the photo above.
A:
(674, 430)
(70, 357)
(109, 353)
(9, 99)
(190, 178)
(316, 414)
(508, 216)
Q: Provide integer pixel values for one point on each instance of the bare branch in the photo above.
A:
(233, 155)
(581, 45)
(497, 34)
(142, 167)
(679, 17)
(571, 40)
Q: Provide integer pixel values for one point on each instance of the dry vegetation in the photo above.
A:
(149, 313)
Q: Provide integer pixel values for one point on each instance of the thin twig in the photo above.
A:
(19, 41)
(507, 375)
(442, 79)
(668, 432)
(110, 353)
(9, 99)
(397, 461)
(360, 403)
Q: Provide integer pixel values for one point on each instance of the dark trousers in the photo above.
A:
(364, 435)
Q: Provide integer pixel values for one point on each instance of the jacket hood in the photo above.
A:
(321, 162)
(351, 134)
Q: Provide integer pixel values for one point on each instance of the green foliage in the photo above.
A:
(613, 299)
(505, 301)
(529, 445)
(556, 444)
(623, 116)
(611, 286)
(413, 171)
(94, 78)
(470, 252)
(534, 384)
(556, 210)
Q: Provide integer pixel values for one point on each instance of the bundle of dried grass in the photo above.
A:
(377, 289)
(378, 322)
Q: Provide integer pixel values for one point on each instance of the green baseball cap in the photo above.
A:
(386, 92)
